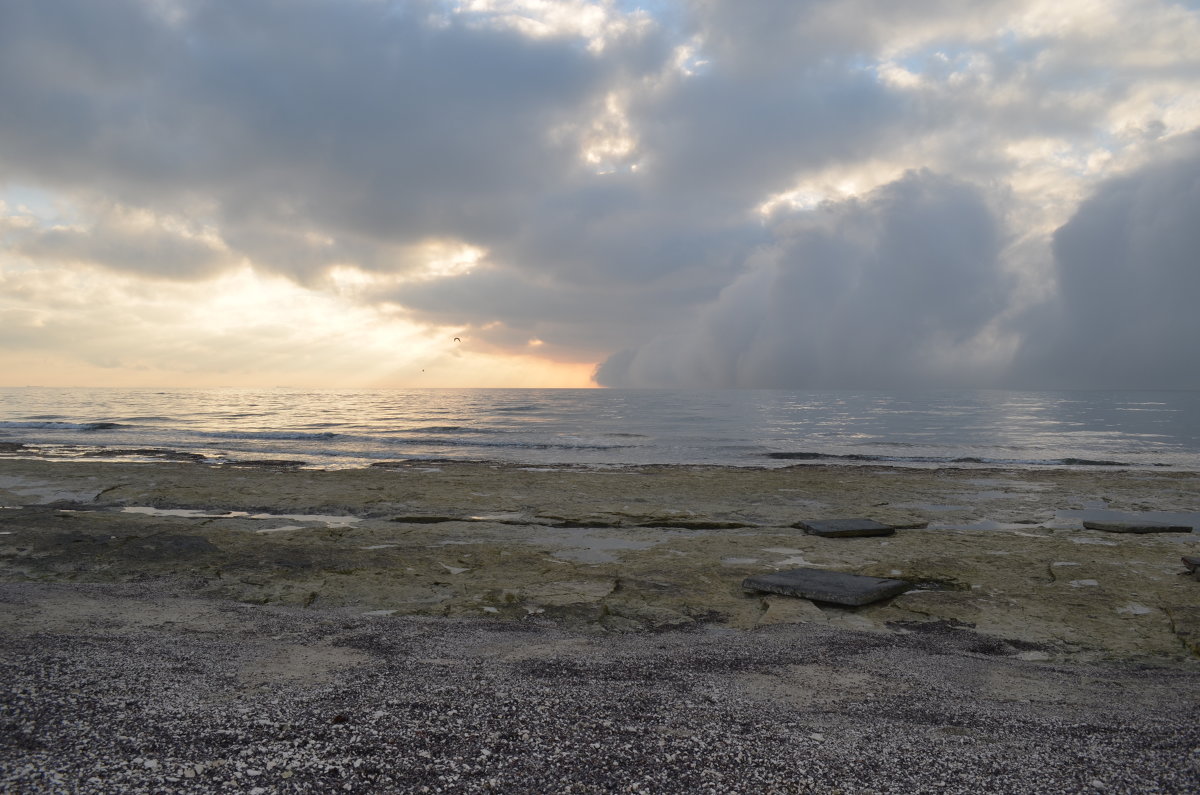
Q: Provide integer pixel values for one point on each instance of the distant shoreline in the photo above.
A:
(767, 460)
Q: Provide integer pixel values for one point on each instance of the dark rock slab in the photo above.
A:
(1136, 527)
(267, 463)
(1191, 562)
(827, 586)
(845, 528)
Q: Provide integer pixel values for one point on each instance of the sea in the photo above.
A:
(338, 429)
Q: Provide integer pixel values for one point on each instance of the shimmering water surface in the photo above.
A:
(332, 428)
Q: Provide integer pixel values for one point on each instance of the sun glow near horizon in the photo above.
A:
(243, 329)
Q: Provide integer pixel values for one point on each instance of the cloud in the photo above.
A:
(1128, 281)
(625, 179)
(93, 327)
(123, 240)
(900, 287)
(912, 286)
(360, 122)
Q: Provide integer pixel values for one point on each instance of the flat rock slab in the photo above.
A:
(827, 586)
(845, 528)
(1136, 527)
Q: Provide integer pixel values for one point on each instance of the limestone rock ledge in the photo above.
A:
(626, 550)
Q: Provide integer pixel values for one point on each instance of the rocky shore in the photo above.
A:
(186, 627)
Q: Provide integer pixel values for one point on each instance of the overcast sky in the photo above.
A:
(714, 193)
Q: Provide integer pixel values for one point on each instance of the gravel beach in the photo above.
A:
(137, 689)
(181, 628)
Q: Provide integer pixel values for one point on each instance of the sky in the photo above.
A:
(560, 193)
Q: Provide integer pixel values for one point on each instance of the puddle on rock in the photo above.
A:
(980, 524)
(590, 549)
(932, 507)
(186, 513)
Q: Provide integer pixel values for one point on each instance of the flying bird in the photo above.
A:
(456, 339)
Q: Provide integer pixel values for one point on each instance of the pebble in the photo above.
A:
(665, 712)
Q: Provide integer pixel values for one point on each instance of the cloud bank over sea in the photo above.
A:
(707, 193)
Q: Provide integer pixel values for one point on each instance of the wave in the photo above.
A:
(932, 459)
(451, 429)
(517, 445)
(63, 426)
(267, 435)
(419, 439)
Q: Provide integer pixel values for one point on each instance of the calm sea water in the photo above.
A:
(357, 428)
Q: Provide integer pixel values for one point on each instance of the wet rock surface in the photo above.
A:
(1130, 527)
(845, 528)
(820, 585)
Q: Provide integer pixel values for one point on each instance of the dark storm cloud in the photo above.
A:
(364, 122)
(712, 138)
(370, 122)
(592, 320)
(319, 132)
(1128, 269)
(893, 289)
(907, 287)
